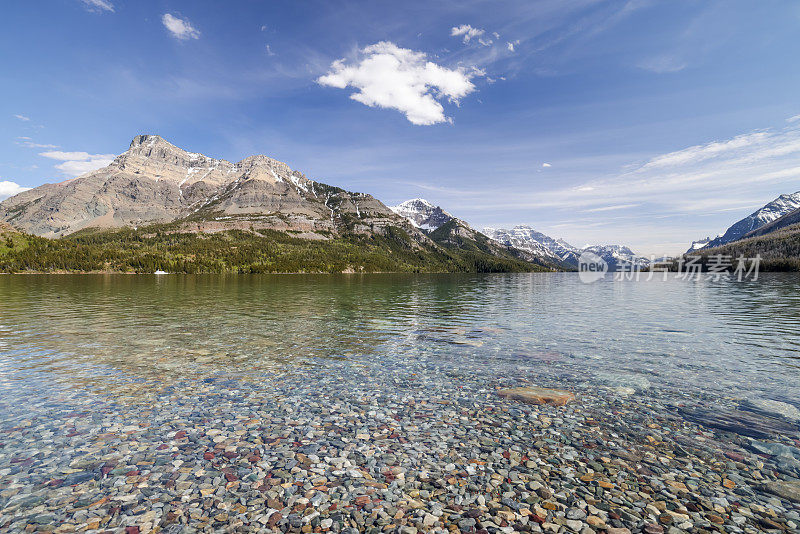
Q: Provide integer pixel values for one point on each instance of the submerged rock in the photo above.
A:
(740, 422)
(771, 408)
(786, 490)
(537, 395)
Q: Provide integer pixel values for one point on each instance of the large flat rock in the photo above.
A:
(537, 395)
(786, 490)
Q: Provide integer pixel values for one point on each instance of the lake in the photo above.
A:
(221, 401)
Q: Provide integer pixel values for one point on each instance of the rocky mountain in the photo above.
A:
(772, 211)
(778, 248)
(422, 214)
(451, 231)
(557, 250)
(777, 243)
(700, 243)
(618, 257)
(155, 182)
(264, 216)
(787, 223)
(526, 238)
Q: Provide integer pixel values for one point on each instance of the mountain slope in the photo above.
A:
(156, 182)
(784, 224)
(452, 232)
(456, 234)
(772, 211)
(158, 207)
(779, 250)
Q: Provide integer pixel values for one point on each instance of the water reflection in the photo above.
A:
(109, 332)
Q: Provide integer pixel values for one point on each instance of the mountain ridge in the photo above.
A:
(770, 212)
(156, 182)
(157, 206)
(526, 238)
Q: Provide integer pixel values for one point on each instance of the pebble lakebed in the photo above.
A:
(391, 445)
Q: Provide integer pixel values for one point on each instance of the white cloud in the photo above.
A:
(793, 119)
(467, 33)
(546, 165)
(612, 208)
(510, 47)
(673, 197)
(179, 28)
(663, 64)
(77, 163)
(693, 180)
(23, 118)
(28, 142)
(98, 6)
(9, 189)
(388, 76)
(699, 153)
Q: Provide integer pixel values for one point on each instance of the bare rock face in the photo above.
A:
(156, 182)
(537, 395)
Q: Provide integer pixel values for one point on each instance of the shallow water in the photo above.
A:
(107, 333)
(179, 400)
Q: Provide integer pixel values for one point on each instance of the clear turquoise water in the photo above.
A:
(66, 337)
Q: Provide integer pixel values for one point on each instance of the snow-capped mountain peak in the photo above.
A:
(422, 214)
(526, 238)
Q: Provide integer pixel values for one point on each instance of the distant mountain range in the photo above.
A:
(526, 238)
(159, 207)
(155, 189)
(538, 246)
(444, 227)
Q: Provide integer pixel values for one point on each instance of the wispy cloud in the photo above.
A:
(23, 118)
(98, 6)
(793, 119)
(77, 163)
(29, 143)
(468, 33)
(179, 28)
(663, 64)
(388, 76)
(612, 208)
(9, 189)
(695, 179)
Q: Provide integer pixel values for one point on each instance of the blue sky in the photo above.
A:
(641, 122)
